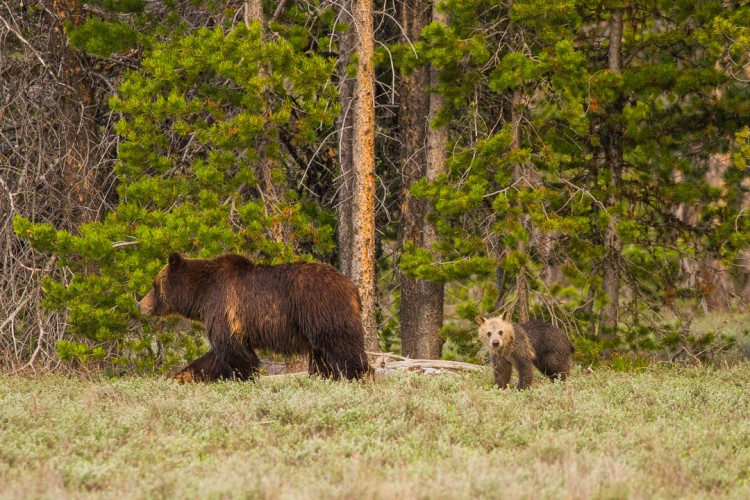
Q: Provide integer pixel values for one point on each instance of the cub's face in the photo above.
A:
(496, 333)
(157, 302)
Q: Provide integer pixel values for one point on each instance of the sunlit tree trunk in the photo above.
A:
(356, 210)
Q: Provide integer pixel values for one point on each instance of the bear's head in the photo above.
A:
(496, 333)
(159, 301)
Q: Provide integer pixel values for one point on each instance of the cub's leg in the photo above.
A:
(502, 369)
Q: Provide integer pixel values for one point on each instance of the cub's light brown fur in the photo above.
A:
(523, 346)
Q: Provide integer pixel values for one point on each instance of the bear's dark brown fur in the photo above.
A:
(534, 343)
(299, 308)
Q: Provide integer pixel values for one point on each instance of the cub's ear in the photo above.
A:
(506, 316)
(175, 259)
(480, 320)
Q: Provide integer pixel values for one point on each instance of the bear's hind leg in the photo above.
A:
(332, 364)
(346, 363)
(555, 369)
(525, 373)
(340, 359)
(318, 365)
(243, 363)
(561, 374)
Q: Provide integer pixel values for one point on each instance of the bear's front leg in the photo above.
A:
(198, 370)
(502, 369)
(230, 356)
(241, 365)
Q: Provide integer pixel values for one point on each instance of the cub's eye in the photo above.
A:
(489, 334)
(500, 333)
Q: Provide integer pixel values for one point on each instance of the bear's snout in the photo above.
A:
(148, 303)
(495, 343)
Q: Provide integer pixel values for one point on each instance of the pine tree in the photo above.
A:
(421, 301)
(356, 213)
(615, 139)
(195, 118)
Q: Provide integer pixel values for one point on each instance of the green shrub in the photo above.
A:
(227, 102)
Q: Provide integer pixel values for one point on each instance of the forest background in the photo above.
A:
(579, 161)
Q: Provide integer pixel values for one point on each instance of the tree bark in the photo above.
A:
(345, 187)
(357, 196)
(522, 178)
(422, 155)
(253, 12)
(744, 285)
(612, 141)
(437, 156)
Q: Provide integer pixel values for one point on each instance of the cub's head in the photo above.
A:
(159, 301)
(496, 333)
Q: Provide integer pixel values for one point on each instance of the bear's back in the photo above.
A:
(546, 337)
(273, 306)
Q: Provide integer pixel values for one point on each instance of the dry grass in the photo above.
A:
(665, 432)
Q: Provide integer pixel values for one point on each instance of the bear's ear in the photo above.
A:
(480, 320)
(506, 316)
(175, 259)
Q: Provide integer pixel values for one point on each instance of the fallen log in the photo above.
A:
(390, 362)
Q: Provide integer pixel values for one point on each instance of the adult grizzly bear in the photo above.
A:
(534, 343)
(298, 308)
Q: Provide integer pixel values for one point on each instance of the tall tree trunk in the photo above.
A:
(744, 260)
(80, 167)
(437, 157)
(744, 284)
(612, 141)
(422, 155)
(357, 194)
(715, 279)
(345, 124)
(253, 11)
(522, 178)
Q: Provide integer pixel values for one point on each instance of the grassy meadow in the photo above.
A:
(662, 432)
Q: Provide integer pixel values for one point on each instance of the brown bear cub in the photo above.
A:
(298, 308)
(525, 345)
